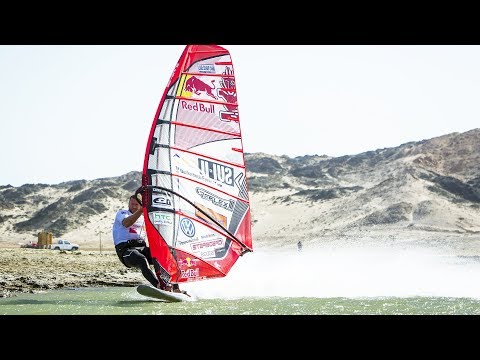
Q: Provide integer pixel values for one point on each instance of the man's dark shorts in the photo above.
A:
(133, 252)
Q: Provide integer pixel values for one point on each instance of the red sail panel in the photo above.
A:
(196, 204)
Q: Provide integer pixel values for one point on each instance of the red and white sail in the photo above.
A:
(195, 193)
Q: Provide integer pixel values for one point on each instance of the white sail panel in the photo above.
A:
(194, 180)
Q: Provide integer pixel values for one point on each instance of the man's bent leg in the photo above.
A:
(134, 258)
(148, 273)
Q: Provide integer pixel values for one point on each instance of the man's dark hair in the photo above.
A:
(135, 197)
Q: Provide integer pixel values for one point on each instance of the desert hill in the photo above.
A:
(430, 187)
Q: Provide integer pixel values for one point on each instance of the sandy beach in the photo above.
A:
(24, 270)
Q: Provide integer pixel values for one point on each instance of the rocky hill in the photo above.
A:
(428, 186)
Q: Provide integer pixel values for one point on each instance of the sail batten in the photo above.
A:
(217, 75)
(204, 128)
(194, 183)
(210, 157)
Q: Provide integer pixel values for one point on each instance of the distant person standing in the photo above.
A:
(299, 245)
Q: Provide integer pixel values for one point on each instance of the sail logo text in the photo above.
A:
(206, 68)
(160, 200)
(196, 176)
(215, 200)
(198, 107)
(190, 273)
(207, 244)
(217, 172)
(207, 254)
(161, 219)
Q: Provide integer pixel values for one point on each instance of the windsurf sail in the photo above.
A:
(194, 184)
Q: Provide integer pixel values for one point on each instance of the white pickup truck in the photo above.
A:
(64, 245)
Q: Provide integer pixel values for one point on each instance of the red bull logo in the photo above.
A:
(190, 273)
(197, 86)
(189, 262)
(198, 107)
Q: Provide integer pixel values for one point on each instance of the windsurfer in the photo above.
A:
(130, 244)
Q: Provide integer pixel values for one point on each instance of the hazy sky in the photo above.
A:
(72, 112)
